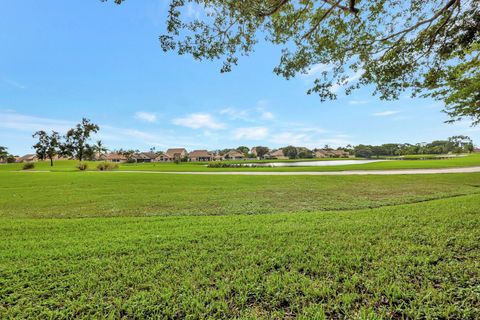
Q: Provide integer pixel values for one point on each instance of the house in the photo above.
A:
(322, 153)
(340, 154)
(218, 157)
(476, 150)
(278, 154)
(27, 158)
(173, 154)
(234, 155)
(254, 152)
(151, 155)
(114, 157)
(200, 155)
(143, 157)
(163, 157)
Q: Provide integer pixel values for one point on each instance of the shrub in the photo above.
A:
(234, 165)
(82, 166)
(131, 160)
(28, 165)
(107, 166)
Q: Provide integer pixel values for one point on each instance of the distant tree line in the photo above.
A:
(455, 144)
(75, 144)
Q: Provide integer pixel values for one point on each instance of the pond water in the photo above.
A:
(323, 163)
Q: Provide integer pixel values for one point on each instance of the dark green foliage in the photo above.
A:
(48, 145)
(5, 156)
(305, 154)
(3, 153)
(28, 166)
(76, 140)
(430, 46)
(11, 159)
(243, 149)
(362, 151)
(455, 144)
(82, 166)
(291, 152)
(261, 151)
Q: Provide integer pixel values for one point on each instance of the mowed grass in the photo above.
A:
(417, 261)
(89, 194)
(66, 165)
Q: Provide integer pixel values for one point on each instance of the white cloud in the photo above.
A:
(312, 130)
(338, 140)
(146, 116)
(259, 112)
(318, 68)
(13, 120)
(309, 137)
(236, 114)
(252, 133)
(266, 115)
(13, 83)
(199, 121)
(293, 138)
(193, 11)
(351, 78)
(137, 134)
(261, 108)
(357, 102)
(385, 113)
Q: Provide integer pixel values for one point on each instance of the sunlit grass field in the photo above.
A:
(65, 165)
(87, 194)
(137, 245)
(409, 261)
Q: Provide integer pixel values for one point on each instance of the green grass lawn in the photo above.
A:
(470, 160)
(87, 194)
(112, 245)
(409, 261)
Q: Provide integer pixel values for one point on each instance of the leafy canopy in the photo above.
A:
(47, 146)
(428, 46)
(3, 153)
(76, 140)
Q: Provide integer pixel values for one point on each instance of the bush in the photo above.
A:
(28, 165)
(131, 160)
(107, 166)
(235, 165)
(11, 159)
(82, 166)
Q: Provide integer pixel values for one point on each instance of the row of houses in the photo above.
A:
(181, 154)
(175, 154)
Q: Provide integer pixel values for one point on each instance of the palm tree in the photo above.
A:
(99, 148)
(3, 153)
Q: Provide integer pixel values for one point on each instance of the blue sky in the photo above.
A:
(64, 60)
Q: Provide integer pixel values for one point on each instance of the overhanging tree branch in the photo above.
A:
(420, 23)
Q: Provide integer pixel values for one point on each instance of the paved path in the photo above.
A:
(320, 173)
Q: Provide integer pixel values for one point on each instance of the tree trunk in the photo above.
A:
(51, 161)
